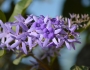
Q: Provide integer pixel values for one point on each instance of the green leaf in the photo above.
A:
(2, 16)
(20, 8)
(17, 61)
(79, 68)
(1, 52)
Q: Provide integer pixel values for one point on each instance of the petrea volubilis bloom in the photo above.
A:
(43, 31)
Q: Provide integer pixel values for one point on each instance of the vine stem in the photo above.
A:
(42, 64)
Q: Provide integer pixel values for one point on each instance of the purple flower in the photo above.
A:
(19, 40)
(38, 30)
(37, 25)
(72, 28)
(20, 18)
(49, 52)
(29, 19)
(55, 21)
(65, 39)
(48, 33)
(23, 40)
(70, 43)
(5, 35)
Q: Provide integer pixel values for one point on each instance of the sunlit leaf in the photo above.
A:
(79, 68)
(17, 61)
(1, 52)
(20, 7)
(2, 16)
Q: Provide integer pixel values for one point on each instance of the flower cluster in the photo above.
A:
(24, 34)
(79, 20)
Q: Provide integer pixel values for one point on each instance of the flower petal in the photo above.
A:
(69, 23)
(8, 40)
(24, 27)
(57, 31)
(15, 44)
(71, 40)
(45, 42)
(49, 25)
(17, 29)
(46, 19)
(34, 34)
(35, 18)
(67, 45)
(28, 20)
(3, 26)
(2, 35)
(55, 41)
(30, 42)
(73, 28)
(19, 18)
(73, 45)
(51, 35)
(40, 43)
(2, 45)
(59, 44)
(24, 48)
